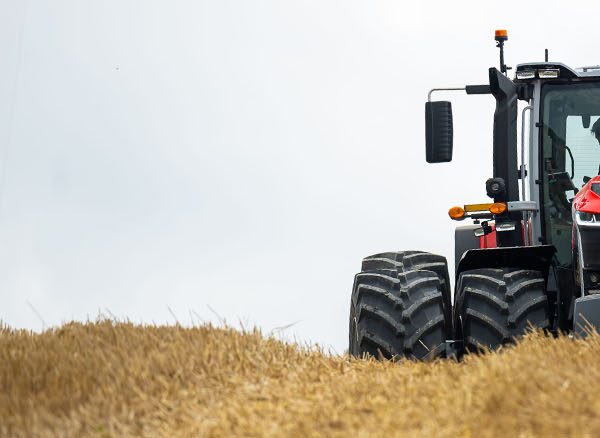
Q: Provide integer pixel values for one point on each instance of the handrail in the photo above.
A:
(526, 240)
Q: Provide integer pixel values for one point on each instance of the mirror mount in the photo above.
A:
(438, 124)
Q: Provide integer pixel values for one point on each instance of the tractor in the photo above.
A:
(531, 257)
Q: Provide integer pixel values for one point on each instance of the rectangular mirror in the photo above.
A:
(438, 132)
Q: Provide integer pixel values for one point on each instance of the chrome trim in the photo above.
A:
(594, 221)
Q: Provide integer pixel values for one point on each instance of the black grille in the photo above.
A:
(590, 244)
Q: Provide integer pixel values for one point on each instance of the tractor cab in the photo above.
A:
(563, 147)
(538, 179)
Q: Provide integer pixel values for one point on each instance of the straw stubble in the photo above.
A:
(120, 379)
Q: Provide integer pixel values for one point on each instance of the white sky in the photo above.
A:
(240, 156)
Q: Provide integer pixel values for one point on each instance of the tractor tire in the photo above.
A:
(417, 260)
(395, 312)
(493, 307)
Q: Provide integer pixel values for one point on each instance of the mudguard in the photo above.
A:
(464, 240)
(586, 316)
(538, 258)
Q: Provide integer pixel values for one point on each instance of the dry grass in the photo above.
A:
(116, 379)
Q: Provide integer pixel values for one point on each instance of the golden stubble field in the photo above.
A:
(120, 379)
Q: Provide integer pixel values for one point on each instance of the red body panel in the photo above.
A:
(489, 240)
(586, 200)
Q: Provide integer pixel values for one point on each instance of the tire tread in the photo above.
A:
(396, 310)
(491, 305)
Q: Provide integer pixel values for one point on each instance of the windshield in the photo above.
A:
(571, 152)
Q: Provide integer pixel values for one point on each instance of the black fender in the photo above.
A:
(464, 240)
(538, 258)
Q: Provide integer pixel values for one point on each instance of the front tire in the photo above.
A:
(493, 307)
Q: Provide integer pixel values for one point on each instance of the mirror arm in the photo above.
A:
(470, 89)
(442, 89)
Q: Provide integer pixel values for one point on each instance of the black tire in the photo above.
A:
(417, 260)
(396, 313)
(495, 306)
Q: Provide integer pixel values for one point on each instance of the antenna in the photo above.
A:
(501, 35)
(546, 55)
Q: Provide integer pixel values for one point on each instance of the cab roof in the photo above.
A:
(566, 72)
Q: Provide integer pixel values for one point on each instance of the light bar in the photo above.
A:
(548, 73)
(543, 73)
(496, 208)
(459, 213)
(526, 74)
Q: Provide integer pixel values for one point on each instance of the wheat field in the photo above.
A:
(119, 379)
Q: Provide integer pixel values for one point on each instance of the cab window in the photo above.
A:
(570, 153)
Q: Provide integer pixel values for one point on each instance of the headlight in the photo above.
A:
(526, 74)
(587, 219)
(549, 73)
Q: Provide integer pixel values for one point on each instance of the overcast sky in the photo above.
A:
(240, 156)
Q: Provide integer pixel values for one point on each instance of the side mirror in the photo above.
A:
(438, 132)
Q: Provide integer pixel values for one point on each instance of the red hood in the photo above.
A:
(588, 200)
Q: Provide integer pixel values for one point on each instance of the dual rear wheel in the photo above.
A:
(401, 306)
